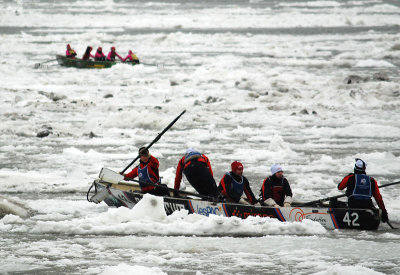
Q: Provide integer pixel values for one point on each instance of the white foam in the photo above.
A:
(373, 63)
(132, 270)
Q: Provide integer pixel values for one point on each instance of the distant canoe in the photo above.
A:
(87, 64)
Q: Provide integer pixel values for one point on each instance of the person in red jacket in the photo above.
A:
(275, 190)
(147, 170)
(70, 53)
(233, 184)
(361, 188)
(198, 172)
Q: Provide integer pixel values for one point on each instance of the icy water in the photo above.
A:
(308, 84)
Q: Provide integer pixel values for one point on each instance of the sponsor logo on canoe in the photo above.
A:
(297, 214)
(245, 214)
(208, 210)
(171, 207)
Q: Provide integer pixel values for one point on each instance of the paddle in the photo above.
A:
(391, 226)
(38, 65)
(155, 140)
(340, 196)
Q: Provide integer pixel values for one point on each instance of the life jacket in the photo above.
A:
(111, 56)
(99, 56)
(237, 187)
(70, 53)
(191, 155)
(277, 192)
(133, 57)
(145, 177)
(362, 187)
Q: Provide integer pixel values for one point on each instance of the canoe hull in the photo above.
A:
(331, 218)
(86, 64)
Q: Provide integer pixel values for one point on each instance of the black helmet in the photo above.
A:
(143, 151)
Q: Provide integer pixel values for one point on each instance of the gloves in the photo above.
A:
(257, 204)
(275, 206)
(384, 217)
(286, 204)
(176, 194)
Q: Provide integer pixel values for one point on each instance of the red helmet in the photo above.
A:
(113, 48)
(68, 47)
(99, 49)
(236, 165)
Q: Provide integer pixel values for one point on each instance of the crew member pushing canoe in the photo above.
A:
(233, 184)
(198, 171)
(149, 178)
(112, 54)
(70, 53)
(88, 53)
(99, 56)
(275, 190)
(361, 188)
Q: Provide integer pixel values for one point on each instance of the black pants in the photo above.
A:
(160, 190)
(201, 179)
(364, 204)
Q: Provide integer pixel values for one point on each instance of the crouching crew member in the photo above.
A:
(131, 57)
(361, 188)
(70, 53)
(147, 170)
(275, 190)
(198, 172)
(233, 184)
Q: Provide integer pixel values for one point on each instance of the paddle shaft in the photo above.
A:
(342, 195)
(391, 226)
(155, 140)
(39, 64)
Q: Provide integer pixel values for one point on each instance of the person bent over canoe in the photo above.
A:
(361, 188)
(147, 170)
(233, 184)
(131, 57)
(70, 53)
(112, 54)
(275, 190)
(88, 53)
(99, 56)
(198, 171)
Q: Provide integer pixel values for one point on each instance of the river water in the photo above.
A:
(308, 84)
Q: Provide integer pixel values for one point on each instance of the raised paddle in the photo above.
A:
(38, 65)
(340, 196)
(155, 140)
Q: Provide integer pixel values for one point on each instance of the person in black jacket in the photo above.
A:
(233, 184)
(275, 190)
